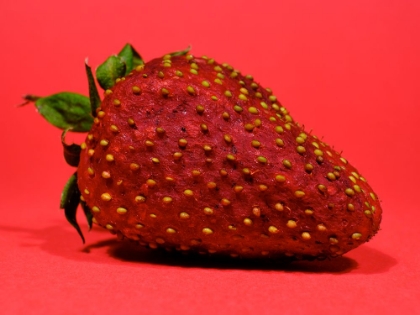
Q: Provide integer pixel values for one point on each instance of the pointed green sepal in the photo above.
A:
(88, 213)
(131, 58)
(64, 110)
(180, 53)
(71, 151)
(94, 98)
(109, 71)
(70, 199)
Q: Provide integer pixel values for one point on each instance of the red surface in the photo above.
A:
(348, 69)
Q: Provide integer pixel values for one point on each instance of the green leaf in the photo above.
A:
(71, 151)
(180, 53)
(131, 58)
(109, 71)
(70, 199)
(66, 111)
(95, 100)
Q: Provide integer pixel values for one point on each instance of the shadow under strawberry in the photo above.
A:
(57, 240)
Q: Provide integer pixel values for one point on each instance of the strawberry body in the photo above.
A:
(189, 154)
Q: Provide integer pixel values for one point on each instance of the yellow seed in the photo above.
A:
(227, 138)
(279, 142)
(140, 199)
(299, 193)
(207, 148)
(109, 157)
(373, 196)
(193, 71)
(184, 215)
(86, 192)
(228, 93)
(262, 187)
(108, 92)
(278, 129)
(262, 160)
(190, 90)
(188, 193)
(208, 210)
(246, 171)
(211, 185)
(139, 226)
(318, 152)
(225, 115)
(204, 127)
(272, 98)
(90, 171)
(273, 230)
(291, 224)
(287, 164)
(349, 192)
(193, 65)
(237, 108)
(253, 110)
(321, 227)
(214, 98)
(200, 109)
(95, 209)
(218, 69)
(140, 68)
(149, 143)
(182, 143)
(179, 73)
(109, 227)
(91, 152)
(279, 207)
(161, 74)
(243, 97)
(165, 92)
(106, 197)
(151, 182)
(106, 174)
(117, 102)
(331, 176)
(249, 127)
(167, 200)
(136, 90)
(238, 188)
(350, 207)
(121, 210)
(177, 155)
(333, 240)
(255, 143)
(247, 221)
(225, 202)
(131, 121)
(218, 81)
(207, 231)
(309, 212)
(134, 166)
(155, 160)
(356, 236)
(104, 143)
(357, 188)
(205, 83)
(343, 160)
(306, 236)
(300, 149)
(322, 188)
(230, 157)
(170, 231)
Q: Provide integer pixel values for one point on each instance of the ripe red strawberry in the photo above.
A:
(189, 154)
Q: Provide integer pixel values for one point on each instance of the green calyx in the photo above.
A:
(75, 112)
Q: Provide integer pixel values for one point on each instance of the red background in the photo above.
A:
(348, 69)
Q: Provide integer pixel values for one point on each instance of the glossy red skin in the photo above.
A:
(177, 114)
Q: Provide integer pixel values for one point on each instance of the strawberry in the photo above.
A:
(185, 153)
